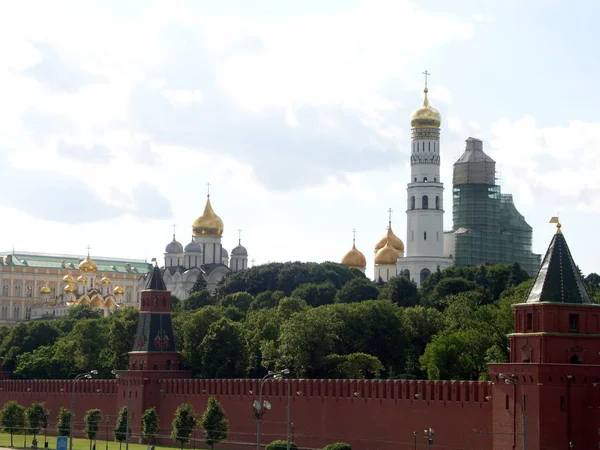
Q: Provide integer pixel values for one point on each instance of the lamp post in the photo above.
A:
(512, 379)
(119, 375)
(415, 439)
(429, 433)
(78, 377)
(261, 407)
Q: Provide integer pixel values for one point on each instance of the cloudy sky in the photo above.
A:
(113, 118)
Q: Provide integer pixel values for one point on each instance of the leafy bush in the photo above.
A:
(281, 445)
(338, 446)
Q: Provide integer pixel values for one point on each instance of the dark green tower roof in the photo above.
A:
(558, 280)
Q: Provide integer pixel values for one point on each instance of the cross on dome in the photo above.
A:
(426, 75)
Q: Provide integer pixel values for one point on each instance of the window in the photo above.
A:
(576, 359)
(424, 179)
(415, 179)
(412, 235)
(562, 404)
(529, 325)
(412, 202)
(424, 274)
(506, 403)
(437, 236)
(425, 202)
(5, 289)
(573, 323)
(424, 235)
(437, 202)
(435, 179)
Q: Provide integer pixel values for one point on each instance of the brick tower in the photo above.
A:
(153, 357)
(546, 397)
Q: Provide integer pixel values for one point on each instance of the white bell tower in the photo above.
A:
(425, 208)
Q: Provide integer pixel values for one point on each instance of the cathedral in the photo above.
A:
(203, 256)
(424, 210)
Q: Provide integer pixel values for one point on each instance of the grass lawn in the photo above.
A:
(84, 444)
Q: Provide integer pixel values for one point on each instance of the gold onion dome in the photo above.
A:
(426, 116)
(354, 258)
(68, 278)
(118, 290)
(88, 265)
(390, 237)
(69, 289)
(105, 280)
(44, 290)
(208, 224)
(82, 279)
(387, 256)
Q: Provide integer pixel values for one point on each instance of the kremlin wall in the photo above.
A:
(546, 398)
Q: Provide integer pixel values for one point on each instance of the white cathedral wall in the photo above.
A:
(211, 248)
(449, 244)
(385, 272)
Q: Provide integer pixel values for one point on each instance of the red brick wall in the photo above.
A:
(372, 414)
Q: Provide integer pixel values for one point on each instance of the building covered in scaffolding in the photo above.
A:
(487, 227)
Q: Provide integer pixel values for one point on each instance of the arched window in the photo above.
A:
(435, 179)
(425, 202)
(169, 363)
(412, 235)
(424, 274)
(424, 179)
(575, 359)
(405, 273)
(415, 179)
(437, 236)
(424, 235)
(412, 202)
(437, 202)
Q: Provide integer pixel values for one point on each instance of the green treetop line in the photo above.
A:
(320, 320)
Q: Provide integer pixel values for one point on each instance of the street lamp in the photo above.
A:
(429, 433)
(119, 375)
(78, 377)
(415, 439)
(512, 379)
(261, 407)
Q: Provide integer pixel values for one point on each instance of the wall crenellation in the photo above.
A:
(423, 390)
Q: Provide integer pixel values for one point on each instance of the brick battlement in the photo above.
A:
(60, 386)
(410, 390)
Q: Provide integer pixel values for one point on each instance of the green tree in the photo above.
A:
(239, 300)
(199, 285)
(197, 300)
(193, 329)
(12, 419)
(92, 420)
(358, 290)
(26, 337)
(36, 416)
(223, 350)
(400, 291)
(214, 423)
(355, 366)
(316, 294)
(150, 425)
(63, 425)
(183, 424)
(123, 428)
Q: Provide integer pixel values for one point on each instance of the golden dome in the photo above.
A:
(118, 290)
(354, 258)
(68, 278)
(386, 256)
(208, 224)
(105, 280)
(88, 265)
(82, 279)
(390, 237)
(426, 116)
(69, 289)
(44, 290)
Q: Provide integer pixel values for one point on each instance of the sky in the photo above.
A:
(115, 115)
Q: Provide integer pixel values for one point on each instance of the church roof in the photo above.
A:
(558, 279)
(155, 281)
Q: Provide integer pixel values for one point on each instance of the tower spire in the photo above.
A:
(88, 249)
(353, 237)
(239, 236)
(174, 227)
(390, 211)
(208, 190)
(426, 75)
(556, 220)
